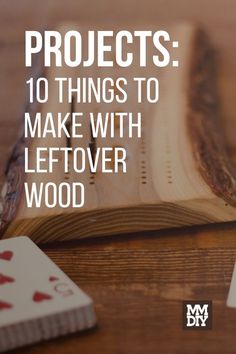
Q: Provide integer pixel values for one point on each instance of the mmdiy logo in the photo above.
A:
(197, 315)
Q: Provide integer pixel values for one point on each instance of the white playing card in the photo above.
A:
(37, 300)
(231, 301)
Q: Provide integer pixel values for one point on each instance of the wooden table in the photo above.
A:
(137, 281)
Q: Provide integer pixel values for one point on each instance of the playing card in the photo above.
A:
(37, 300)
(231, 301)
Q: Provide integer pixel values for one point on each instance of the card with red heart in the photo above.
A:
(37, 300)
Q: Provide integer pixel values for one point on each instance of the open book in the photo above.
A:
(173, 172)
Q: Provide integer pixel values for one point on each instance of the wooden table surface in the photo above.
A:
(137, 281)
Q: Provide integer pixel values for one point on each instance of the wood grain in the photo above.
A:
(177, 174)
(138, 287)
(138, 294)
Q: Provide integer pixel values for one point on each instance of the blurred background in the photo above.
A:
(16, 16)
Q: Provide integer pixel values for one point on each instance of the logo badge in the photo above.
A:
(197, 315)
